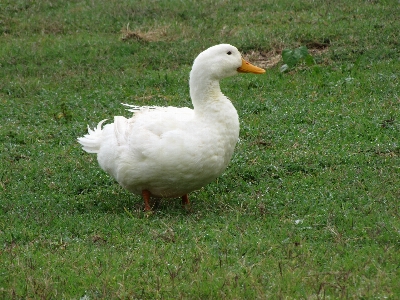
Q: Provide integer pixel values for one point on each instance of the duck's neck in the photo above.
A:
(217, 112)
(204, 91)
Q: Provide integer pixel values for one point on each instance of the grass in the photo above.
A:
(309, 206)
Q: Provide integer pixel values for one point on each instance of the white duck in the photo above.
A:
(170, 151)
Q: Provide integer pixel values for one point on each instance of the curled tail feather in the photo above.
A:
(91, 142)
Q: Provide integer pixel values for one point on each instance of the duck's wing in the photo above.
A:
(159, 120)
(151, 127)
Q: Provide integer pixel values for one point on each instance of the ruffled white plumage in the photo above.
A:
(91, 142)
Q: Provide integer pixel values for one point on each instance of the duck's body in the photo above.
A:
(169, 151)
(170, 158)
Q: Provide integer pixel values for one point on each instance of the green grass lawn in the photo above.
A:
(308, 207)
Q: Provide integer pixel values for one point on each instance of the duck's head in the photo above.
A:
(222, 61)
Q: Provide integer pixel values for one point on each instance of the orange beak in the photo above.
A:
(247, 67)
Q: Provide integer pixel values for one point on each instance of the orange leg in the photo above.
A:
(146, 197)
(185, 200)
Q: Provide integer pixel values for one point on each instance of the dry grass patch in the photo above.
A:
(156, 34)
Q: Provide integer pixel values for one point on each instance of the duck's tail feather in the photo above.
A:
(91, 142)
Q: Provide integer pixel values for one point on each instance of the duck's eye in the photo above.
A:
(229, 52)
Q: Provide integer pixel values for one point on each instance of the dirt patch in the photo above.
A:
(270, 59)
(264, 60)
